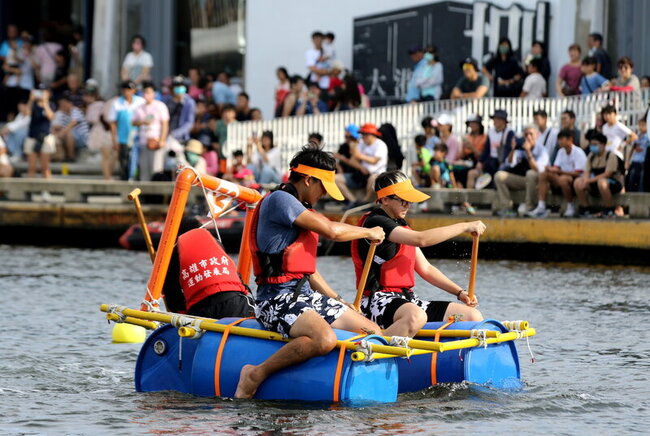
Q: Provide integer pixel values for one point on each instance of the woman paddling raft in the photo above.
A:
(388, 297)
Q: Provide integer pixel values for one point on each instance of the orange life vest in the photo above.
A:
(393, 275)
(205, 267)
(294, 262)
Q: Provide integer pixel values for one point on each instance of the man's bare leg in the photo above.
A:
(353, 321)
(313, 337)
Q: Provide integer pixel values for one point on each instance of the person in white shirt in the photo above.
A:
(314, 59)
(138, 63)
(264, 158)
(535, 84)
(547, 137)
(6, 169)
(372, 152)
(15, 132)
(152, 118)
(617, 133)
(568, 165)
(526, 161)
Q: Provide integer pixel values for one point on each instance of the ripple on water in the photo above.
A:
(64, 377)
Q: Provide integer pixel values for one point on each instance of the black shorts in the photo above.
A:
(614, 186)
(224, 305)
(381, 307)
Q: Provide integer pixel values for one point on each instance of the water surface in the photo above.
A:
(59, 373)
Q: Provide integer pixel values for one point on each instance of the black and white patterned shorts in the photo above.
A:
(381, 307)
(280, 312)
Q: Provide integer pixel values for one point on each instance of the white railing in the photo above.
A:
(291, 133)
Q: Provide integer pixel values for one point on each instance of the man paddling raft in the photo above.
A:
(292, 297)
(388, 298)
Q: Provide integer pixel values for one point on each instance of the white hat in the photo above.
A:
(445, 119)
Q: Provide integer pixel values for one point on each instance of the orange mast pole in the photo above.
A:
(184, 182)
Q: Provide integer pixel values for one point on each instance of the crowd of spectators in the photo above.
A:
(147, 131)
(609, 158)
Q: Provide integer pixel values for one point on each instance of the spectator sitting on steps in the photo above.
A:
(602, 177)
(527, 159)
(496, 150)
(568, 165)
(472, 84)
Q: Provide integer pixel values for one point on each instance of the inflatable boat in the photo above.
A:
(205, 356)
(230, 232)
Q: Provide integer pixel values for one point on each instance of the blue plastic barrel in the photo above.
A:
(497, 365)
(160, 368)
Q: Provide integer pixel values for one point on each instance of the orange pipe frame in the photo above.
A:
(184, 182)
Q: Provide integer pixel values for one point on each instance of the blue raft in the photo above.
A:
(168, 362)
(496, 366)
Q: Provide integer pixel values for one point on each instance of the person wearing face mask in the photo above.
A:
(182, 109)
(504, 71)
(431, 77)
(412, 90)
(603, 176)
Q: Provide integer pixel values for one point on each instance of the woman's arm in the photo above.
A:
(435, 277)
(425, 238)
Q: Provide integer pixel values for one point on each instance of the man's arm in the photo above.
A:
(318, 284)
(338, 232)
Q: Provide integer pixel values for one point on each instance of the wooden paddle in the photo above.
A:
(472, 268)
(364, 276)
(134, 196)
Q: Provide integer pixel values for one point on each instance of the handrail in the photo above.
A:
(184, 182)
(290, 134)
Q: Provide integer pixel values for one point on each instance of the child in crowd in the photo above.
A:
(535, 84)
(422, 165)
(616, 132)
(440, 173)
(591, 81)
(634, 179)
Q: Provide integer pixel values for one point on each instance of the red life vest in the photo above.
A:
(394, 275)
(294, 262)
(205, 267)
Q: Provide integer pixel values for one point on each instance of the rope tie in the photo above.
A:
(481, 335)
(364, 347)
(530, 351)
(115, 310)
(399, 341)
(153, 304)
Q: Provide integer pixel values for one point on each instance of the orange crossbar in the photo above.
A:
(184, 182)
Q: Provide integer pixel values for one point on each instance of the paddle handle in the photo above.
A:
(364, 276)
(135, 197)
(472, 268)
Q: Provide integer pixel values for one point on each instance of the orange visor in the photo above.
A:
(326, 178)
(403, 190)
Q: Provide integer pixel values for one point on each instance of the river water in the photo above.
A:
(59, 373)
